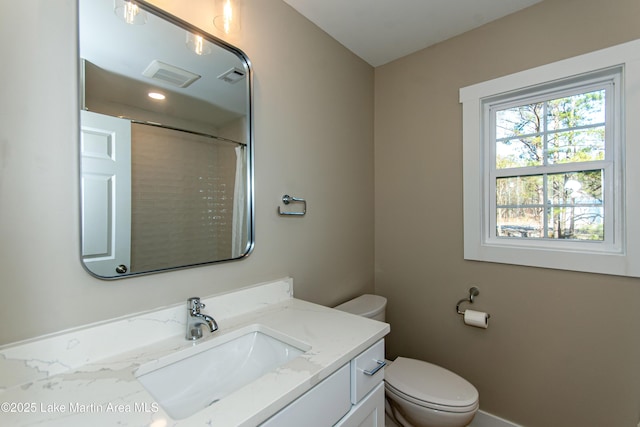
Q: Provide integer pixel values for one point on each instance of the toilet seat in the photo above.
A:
(430, 386)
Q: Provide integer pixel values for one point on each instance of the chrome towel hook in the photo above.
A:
(286, 199)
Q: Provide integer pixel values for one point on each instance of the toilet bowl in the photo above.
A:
(418, 393)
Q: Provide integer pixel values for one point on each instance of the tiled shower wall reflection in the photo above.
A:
(182, 198)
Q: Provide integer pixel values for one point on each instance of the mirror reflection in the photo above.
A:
(165, 143)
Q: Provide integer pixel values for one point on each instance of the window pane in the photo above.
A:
(575, 206)
(578, 110)
(576, 188)
(576, 223)
(512, 153)
(572, 200)
(519, 190)
(576, 146)
(520, 222)
(522, 120)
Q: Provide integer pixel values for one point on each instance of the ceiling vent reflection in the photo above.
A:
(170, 74)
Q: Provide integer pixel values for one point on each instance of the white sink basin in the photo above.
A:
(190, 380)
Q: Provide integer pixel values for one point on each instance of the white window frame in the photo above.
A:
(620, 255)
(611, 165)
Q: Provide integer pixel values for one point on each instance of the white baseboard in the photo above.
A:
(482, 419)
(485, 419)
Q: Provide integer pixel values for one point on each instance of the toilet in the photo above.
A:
(418, 393)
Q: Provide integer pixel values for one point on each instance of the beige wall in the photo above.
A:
(562, 348)
(314, 139)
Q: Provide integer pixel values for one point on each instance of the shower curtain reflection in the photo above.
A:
(183, 198)
(239, 231)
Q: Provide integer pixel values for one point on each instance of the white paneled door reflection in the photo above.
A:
(105, 192)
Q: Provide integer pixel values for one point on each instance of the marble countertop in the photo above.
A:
(86, 377)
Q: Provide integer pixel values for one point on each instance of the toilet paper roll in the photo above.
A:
(478, 319)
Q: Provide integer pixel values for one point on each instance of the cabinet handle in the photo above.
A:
(372, 372)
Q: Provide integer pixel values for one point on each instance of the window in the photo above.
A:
(545, 165)
(551, 157)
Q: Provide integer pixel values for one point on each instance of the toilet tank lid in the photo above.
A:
(366, 305)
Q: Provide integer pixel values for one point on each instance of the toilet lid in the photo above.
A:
(430, 383)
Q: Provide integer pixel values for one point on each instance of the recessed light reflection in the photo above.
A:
(156, 95)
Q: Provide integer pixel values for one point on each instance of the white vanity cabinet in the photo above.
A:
(348, 397)
(369, 412)
(367, 389)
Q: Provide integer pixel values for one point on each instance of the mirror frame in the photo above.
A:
(250, 145)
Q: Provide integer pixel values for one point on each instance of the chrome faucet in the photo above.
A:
(195, 319)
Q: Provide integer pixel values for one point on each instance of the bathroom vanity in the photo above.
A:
(96, 375)
(352, 396)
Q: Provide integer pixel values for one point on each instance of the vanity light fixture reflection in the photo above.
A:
(198, 44)
(129, 12)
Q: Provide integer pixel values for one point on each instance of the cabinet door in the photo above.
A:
(368, 413)
(321, 406)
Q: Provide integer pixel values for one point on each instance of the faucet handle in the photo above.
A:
(194, 304)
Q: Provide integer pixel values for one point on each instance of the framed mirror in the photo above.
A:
(166, 143)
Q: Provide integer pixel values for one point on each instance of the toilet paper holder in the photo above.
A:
(473, 292)
(286, 199)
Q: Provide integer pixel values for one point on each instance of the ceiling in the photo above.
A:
(115, 66)
(380, 31)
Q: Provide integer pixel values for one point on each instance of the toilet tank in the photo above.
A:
(367, 305)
